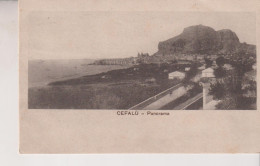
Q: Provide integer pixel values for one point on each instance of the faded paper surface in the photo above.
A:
(65, 30)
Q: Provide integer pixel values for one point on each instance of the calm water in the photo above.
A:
(42, 72)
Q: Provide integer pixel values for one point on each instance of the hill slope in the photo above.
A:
(204, 39)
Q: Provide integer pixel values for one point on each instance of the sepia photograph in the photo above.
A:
(138, 76)
(142, 60)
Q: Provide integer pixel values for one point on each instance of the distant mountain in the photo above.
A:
(205, 40)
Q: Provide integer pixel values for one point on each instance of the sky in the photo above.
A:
(95, 35)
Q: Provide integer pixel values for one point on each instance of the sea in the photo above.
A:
(42, 72)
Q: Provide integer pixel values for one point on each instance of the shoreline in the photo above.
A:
(49, 80)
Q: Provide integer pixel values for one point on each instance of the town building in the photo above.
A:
(202, 67)
(228, 67)
(187, 68)
(176, 75)
(208, 73)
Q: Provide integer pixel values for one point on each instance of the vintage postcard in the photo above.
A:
(138, 81)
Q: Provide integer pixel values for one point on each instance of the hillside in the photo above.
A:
(205, 40)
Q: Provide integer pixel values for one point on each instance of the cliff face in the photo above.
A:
(204, 39)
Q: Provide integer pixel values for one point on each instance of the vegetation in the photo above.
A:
(116, 89)
(220, 61)
(90, 97)
(217, 90)
(229, 89)
(208, 62)
(191, 73)
(220, 72)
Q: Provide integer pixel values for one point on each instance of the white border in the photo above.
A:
(9, 152)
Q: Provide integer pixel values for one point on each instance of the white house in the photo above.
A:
(187, 68)
(208, 73)
(202, 67)
(254, 66)
(228, 67)
(176, 75)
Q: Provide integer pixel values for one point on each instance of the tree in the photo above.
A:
(220, 72)
(191, 73)
(217, 90)
(220, 61)
(229, 90)
(208, 62)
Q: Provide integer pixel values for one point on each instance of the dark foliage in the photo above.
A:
(191, 73)
(87, 97)
(208, 62)
(217, 90)
(220, 72)
(220, 61)
(116, 89)
(229, 90)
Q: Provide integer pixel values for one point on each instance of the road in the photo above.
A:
(189, 102)
(168, 92)
(166, 99)
(158, 101)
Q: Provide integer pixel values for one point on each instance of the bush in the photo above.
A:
(220, 61)
(217, 90)
(220, 72)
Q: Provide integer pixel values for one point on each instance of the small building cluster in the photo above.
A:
(176, 75)
(116, 61)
